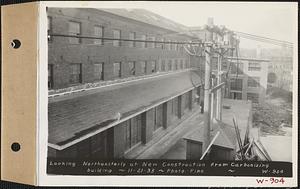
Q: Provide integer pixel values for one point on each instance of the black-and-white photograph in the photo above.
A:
(195, 82)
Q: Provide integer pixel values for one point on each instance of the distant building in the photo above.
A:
(248, 79)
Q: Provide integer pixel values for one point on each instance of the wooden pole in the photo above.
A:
(207, 98)
(219, 92)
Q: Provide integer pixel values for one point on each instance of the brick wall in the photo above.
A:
(61, 53)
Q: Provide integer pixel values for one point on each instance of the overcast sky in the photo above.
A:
(273, 20)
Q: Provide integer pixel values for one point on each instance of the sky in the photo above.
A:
(277, 20)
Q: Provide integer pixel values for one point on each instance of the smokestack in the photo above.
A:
(210, 21)
(258, 51)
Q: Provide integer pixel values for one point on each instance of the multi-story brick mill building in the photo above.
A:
(143, 89)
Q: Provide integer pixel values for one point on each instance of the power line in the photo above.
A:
(267, 41)
(280, 41)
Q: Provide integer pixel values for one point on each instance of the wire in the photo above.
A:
(279, 41)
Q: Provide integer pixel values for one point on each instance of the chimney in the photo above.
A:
(258, 51)
(210, 21)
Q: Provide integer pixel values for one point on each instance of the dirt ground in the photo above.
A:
(274, 114)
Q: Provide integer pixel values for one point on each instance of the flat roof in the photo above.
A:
(239, 109)
(74, 117)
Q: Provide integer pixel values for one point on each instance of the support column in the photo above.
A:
(147, 126)
(207, 100)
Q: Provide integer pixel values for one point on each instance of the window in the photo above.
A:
(98, 145)
(236, 95)
(133, 130)
(132, 36)
(131, 66)
(75, 73)
(254, 66)
(98, 71)
(143, 67)
(186, 64)
(143, 44)
(151, 44)
(175, 46)
(181, 64)
(163, 65)
(117, 35)
(186, 100)
(98, 32)
(158, 117)
(237, 68)
(176, 64)
(74, 29)
(174, 110)
(254, 97)
(236, 84)
(253, 81)
(49, 29)
(153, 66)
(170, 65)
(117, 69)
(50, 76)
(163, 46)
(168, 45)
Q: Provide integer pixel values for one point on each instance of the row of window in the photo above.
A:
(237, 84)
(133, 127)
(76, 69)
(74, 28)
(254, 97)
(237, 68)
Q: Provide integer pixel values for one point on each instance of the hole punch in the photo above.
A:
(15, 44)
(15, 147)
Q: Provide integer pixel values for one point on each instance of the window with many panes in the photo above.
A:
(75, 73)
(253, 81)
(237, 68)
(132, 36)
(74, 30)
(176, 64)
(143, 43)
(117, 69)
(153, 66)
(143, 67)
(181, 64)
(168, 45)
(133, 132)
(170, 65)
(98, 71)
(50, 76)
(163, 65)
(174, 110)
(98, 32)
(151, 43)
(158, 117)
(117, 35)
(163, 45)
(254, 66)
(49, 28)
(131, 66)
(236, 84)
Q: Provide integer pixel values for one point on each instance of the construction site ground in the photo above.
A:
(273, 118)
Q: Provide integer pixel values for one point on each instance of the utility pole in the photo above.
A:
(219, 80)
(207, 97)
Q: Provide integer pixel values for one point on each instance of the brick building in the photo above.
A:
(115, 121)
